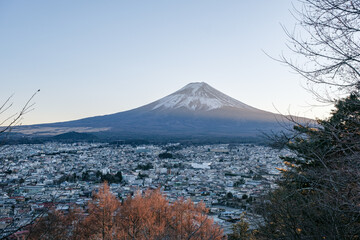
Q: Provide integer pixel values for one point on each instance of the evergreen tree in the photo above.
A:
(318, 197)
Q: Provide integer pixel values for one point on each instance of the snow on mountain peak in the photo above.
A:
(198, 96)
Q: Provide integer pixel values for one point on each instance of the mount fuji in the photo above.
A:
(193, 112)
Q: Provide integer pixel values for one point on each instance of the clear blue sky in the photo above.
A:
(100, 57)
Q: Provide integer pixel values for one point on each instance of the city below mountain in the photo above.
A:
(195, 112)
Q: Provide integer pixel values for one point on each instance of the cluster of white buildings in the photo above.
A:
(36, 177)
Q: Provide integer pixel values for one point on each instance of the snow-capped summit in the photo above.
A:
(196, 111)
(198, 96)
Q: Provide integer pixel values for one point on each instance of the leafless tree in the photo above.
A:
(7, 122)
(319, 194)
(326, 45)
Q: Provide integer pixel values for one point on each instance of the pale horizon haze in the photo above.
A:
(93, 58)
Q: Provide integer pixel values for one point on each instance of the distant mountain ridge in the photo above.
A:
(74, 136)
(195, 111)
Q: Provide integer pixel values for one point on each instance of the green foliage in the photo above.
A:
(230, 174)
(85, 176)
(229, 195)
(118, 175)
(165, 155)
(240, 230)
(142, 176)
(117, 178)
(318, 196)
(146, 166)
(239, 182)
(334, 137)
(99, 177)
(257, 177)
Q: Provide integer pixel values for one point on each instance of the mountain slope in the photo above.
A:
(196, 110)
(198, 97)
